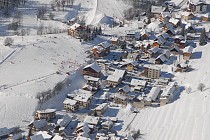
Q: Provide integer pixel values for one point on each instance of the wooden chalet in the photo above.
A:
(92, 70)
(76, 30)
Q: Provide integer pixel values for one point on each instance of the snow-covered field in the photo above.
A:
(32, 68)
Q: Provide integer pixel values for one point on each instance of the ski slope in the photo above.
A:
(94, 9)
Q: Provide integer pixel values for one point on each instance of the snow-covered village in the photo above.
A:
(104, 69)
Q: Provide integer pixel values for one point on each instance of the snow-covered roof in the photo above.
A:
(17, 136)
(75, 26)
(37, 137)
(154, 93)
(44, 134)
(113, 78)
(82, 138)
(154, 50)
(46, 111)
(57, 137)
(107, 123)
(90, 78)
(185, 13)
(188, 49)
(197, 2)
(105, 44)
(99, 48)
(166, 14)
(4, 131)
(119, 73)
(125, 89)
(156, 9)
(161, 40)
(94, 66)
(70, 102)
(189, 25)
(38, 124)
(149, 66)
(101, 60)
(161, 57)
(169, 90)
(181, 37)
(64, 121)
(165, 35)
(120, 96)
(183, 65)
(101, 106)
(137, 82)
(83, 97)
(174, 21)
(92, 120)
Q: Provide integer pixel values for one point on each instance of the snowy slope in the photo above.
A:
(97, 8)
(32, 69)
(188, 118)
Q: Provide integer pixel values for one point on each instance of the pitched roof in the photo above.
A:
(137, 82)
(156, 9)
(64, 121)
(113, 78)
(188, 49)
(174, 21)
(197, 2)
(125, 88)
(37, 137)
(161, 57)
(92, 120)
(93, 66)
(4, 131)
(101, 106)
(57, 137)
(119, 73)
(70, 102)
(75, 26)
(38, 124)
(166, 14)
(44, 134)
(46, 111)
(105, 44)
(82, 96)
(154, 93)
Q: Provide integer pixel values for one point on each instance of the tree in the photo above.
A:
(202, 40)
(63, 2)
(201, 87)
(123, 45)
(40, 29)
(41, 12)
(137, 134)
(51, 16)
(8, 41)
(189, 89)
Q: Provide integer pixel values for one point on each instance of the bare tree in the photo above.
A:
(63, 2)
(51, 16)
(136, 135)
(53, 5)
(201, 87)
(41, 12)
(23, 32)
(40, 29)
